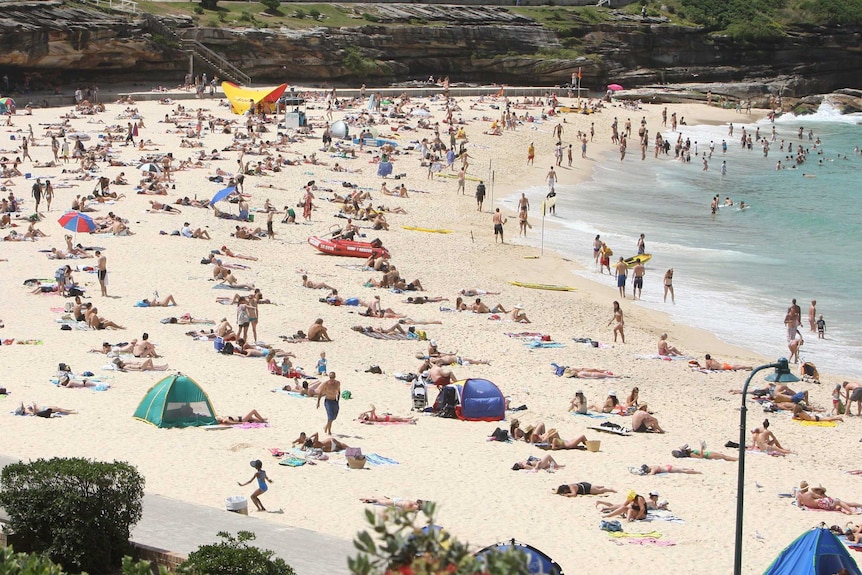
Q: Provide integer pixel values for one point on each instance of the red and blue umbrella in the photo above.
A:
(77, 222)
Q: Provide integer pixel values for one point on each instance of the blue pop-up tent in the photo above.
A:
(815, 552)
(538, 563)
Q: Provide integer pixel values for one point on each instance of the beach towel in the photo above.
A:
(365, 422)
(817, 423)
(250, 425)
(592, 415)
(292, 461)
(624, 535)
(525, 334)
(663, 515)
(290, 393)
(375, 459)
(13, 341)
(663, 357)
(387, 336)
(615, 430)
(543, 344)
(228, 286)
(650, 541)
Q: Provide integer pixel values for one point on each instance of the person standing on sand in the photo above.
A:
(638, 281)
(262, 487)
(102, 271)
(792, 320)
(37, 193)
(498, 225)
(597, 248)
(619, 325)
(330, 392)
(620, 271)
(462, 177)
(812, 316)
(531, 154)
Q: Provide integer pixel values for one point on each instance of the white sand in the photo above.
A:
(481, 499)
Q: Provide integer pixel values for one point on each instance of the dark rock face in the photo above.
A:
(479, 44)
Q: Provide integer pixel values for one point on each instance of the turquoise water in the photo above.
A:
(736, 271)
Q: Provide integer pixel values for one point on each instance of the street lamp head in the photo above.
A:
(782, 373)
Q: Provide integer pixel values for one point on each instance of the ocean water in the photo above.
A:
(736, 271)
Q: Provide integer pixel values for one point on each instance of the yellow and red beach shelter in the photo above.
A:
(241, 98)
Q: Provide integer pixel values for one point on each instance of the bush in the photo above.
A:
(403, 547)
(77, 511)
(199, 10)
(234, 555)
(209, 4)
(357, 63)
(272, 6)
(12, 563)
(314, 13)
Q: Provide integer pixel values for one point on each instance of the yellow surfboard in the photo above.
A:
(552, 287)
(427, 230)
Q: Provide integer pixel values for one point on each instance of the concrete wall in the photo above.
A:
(611, 3)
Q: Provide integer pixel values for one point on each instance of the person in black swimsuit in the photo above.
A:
(582, 488)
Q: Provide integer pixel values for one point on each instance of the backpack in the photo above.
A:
(612, 526)
(448, 402)
(227, 349)
(500, 435)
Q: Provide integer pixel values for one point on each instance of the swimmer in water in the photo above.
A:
(742, 205)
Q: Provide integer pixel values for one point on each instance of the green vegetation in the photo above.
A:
(562, 18)
(402, 546)
(357, 63)
(234, 555)
(12, 563)
(76, 511)
(230, 13)
(273, 7)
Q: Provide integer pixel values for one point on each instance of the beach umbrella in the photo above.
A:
(6, 104)
(83, 136)
(222, 194)
(150, 167)
(77, 222)
(615, 87)
(420, 112)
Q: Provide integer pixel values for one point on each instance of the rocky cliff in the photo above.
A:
(470, 44)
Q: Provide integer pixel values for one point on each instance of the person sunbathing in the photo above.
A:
(702, 453)
(144, 348)
(763, 440)
(388, 331)
(634, 507)
(43, 410)
(644, 422)
(800, 414)
(328, 445)
(535, 464)
(451, 359)
(587, 373)
(720, 366)
(164, 302)
(582, 488)
(226, 251)
(665, 349)
(371, 416)
(305, 388)
(610, 405)
(400, 503)
(252, 416)
(815, 498)
(665, 468)
(146, 365)
(554, 442)
(307, 283)
(473, 292)
(518, 314)
(479, 307)
(317, 332)
(231, 280)
(95, 322)
(530, 434)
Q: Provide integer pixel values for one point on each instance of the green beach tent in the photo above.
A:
(176, 401)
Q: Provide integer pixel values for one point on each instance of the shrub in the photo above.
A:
(209, 4)
(272, 6)
(199, 10)
(403, 547)
(234, 555)
(77, 511)
(300, 13)
(12, 563)
(370, 17)
(314, 13)
(357, 63)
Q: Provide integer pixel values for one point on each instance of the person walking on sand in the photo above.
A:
(102, 271)
(551, 178)
(480, 195)
(617, 320)
(37, 192)
(498, 225)
(638, 280)
(330, 392)
(262, 487)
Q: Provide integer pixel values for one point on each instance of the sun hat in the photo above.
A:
(653, 493)
(519, 306)
(612, 393)
(256, 463)
(433, 343)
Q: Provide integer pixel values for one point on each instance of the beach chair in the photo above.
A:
(419, 393)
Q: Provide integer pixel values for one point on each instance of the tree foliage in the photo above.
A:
(234, 556)
(77, 511)
(403, 546)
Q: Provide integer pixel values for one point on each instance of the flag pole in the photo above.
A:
(579, 87)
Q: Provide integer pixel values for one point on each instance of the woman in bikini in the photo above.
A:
(618, 322)
(328, 445)
(634, 507)
(800, 414)
(582, 488)
(371, 416)
(668, 285)
(702, 453)
(611, 404)
(665, 468)
(251, 417)
(399, 502)
(535, 464)
(531, 434)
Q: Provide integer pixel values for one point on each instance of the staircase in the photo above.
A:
(209, 57)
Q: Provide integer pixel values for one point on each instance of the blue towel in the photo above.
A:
(543, 344)
(374, 459)
(593, 415)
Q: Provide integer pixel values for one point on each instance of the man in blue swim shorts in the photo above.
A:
(330, 392)
(621, 270)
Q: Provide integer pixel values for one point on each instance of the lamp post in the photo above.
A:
(780, 375)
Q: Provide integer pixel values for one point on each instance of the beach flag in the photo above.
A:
(579, 73)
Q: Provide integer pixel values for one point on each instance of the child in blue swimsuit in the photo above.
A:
(262, 487)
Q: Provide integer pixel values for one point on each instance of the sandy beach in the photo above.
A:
(481, 500)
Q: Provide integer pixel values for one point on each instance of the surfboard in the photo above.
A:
(428, 230)
(640, 258)
(613, 430)
(552, 287)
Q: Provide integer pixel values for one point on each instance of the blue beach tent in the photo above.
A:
(176, 401)
(538, 563)
(815, 552)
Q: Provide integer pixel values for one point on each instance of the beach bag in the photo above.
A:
(612, 526)
(227, 348)
(374, 369)
(218, 343)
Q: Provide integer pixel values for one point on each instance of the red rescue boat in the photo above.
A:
(348, 248)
